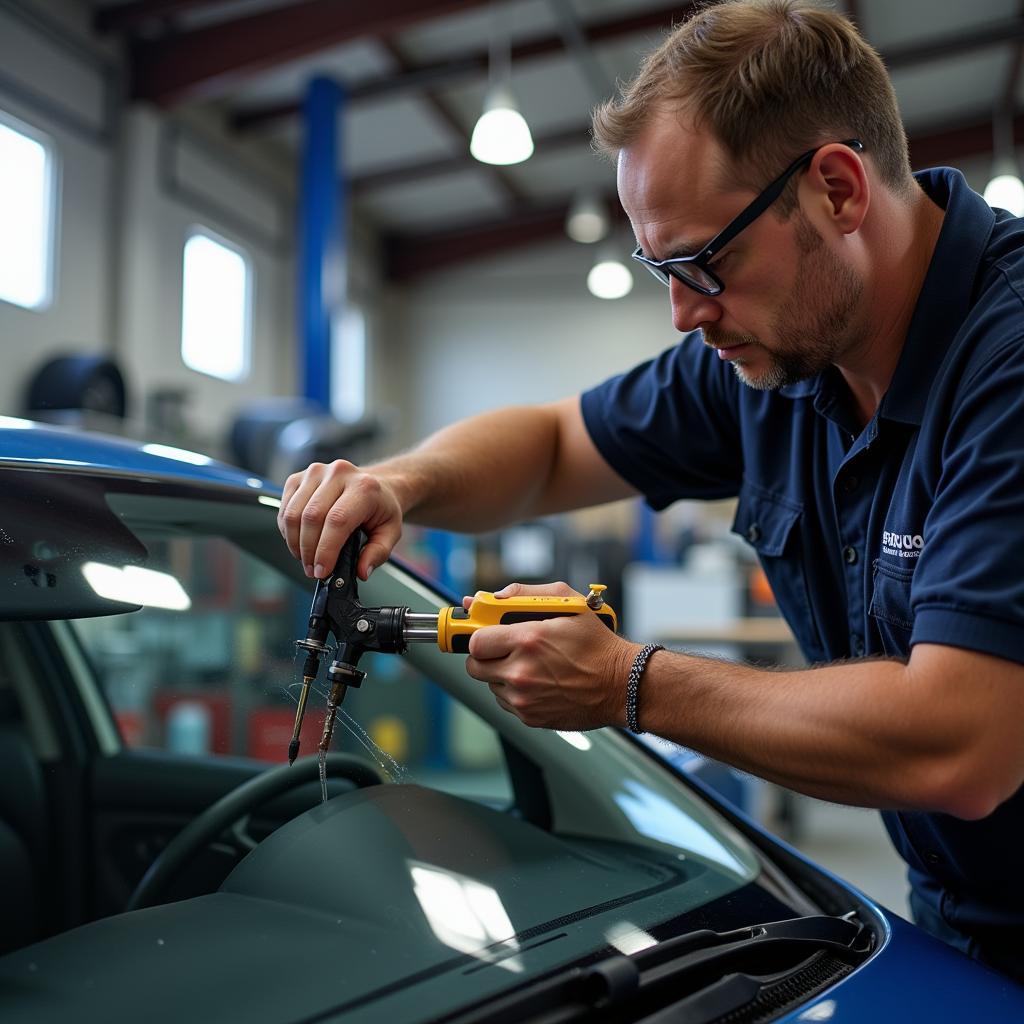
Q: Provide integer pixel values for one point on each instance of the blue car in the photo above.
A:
(162, 862)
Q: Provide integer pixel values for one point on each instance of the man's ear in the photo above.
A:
(839, 180)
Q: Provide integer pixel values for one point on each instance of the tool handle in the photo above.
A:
(348, 558)
(456, 625)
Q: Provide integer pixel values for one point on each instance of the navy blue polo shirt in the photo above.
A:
(910, 530)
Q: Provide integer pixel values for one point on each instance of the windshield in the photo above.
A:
(581, 835)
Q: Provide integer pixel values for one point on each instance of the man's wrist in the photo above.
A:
(401, 484)
(618, 678)
(637, 670)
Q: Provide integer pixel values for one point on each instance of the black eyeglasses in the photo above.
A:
(694, 271)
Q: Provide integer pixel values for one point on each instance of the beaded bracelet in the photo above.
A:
(633, 685)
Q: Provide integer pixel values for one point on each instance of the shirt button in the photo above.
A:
(932, 858)
(850, 555)
(850, 484)
(753, 533)
(856, 645)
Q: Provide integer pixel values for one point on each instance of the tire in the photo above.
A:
(91, 383)
(255, 430)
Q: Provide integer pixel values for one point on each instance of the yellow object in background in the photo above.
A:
(391, 735)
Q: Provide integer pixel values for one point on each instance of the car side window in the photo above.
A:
(209, 667)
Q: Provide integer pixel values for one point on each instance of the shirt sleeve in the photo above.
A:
(670, 427)
(968, 590)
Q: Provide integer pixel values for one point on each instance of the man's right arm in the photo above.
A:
(493, 469)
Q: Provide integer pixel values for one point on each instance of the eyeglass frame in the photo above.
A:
(663, 269)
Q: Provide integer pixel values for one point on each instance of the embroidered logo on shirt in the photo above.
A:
(902, 545)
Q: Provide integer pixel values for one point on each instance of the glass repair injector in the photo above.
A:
(336, 609)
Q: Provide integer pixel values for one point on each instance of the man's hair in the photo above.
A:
(770, 79)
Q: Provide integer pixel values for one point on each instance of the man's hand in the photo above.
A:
(564, 673)
(322, 506)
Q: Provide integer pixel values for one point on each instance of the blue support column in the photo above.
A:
(322, 221)
(646, 547)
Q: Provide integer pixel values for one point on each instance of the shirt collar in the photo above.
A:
(946, 295)
(802, 388)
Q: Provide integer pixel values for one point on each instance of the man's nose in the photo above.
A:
(690, 309)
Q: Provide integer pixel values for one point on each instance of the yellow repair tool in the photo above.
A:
(336, 610)
(454, 626)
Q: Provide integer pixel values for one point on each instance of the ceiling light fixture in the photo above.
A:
(501, 135)
(609, 277)
(587, 220)
(1006, 190)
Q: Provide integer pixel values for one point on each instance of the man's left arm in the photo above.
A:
(940, 732)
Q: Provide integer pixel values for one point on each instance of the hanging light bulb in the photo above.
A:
(1006, 190)
(587, 221)
(609, 277)
(501, 136)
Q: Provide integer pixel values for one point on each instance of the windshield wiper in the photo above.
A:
(706, 972)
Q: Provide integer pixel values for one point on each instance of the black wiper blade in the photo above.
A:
(713, 972)
(839, 934)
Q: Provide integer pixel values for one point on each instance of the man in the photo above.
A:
(852, 368)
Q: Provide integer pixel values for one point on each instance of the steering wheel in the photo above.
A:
(236, 805)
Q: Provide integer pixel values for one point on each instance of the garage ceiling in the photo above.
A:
(415, 72)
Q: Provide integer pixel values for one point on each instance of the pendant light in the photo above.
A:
(587, 221)
(609, 277)
(501, 135)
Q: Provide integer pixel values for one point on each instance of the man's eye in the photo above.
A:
(719, 261)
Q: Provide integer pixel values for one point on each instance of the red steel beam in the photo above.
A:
(127, 16)
(955, 45)
(204, 60)
(408, 257)
(946, 146)
(400, 173)
(502, 181)
(474, 62)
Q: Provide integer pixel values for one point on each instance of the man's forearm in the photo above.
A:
(480, 473)
(871, 733)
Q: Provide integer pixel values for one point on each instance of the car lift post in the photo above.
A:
(322, 223)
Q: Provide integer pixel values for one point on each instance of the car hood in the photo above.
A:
(26, 444)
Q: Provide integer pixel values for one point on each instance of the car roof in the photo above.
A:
(27, 444)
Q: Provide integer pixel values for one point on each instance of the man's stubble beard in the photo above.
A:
(829, 292)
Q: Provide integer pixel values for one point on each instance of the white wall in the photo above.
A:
(517, 330)
(172, 184)
(57, 88)
(133, 181)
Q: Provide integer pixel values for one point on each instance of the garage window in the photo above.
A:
(28, 194)
(216, 302)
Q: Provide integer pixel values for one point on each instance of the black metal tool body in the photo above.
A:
(336, 610)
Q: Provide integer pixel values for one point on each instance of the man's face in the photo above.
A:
(789, 301)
